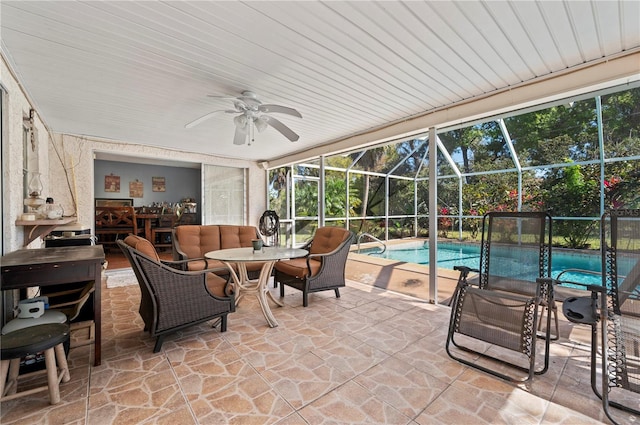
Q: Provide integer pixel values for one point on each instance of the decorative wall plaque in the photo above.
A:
(158, 184)
(136, 189)
(111, 183)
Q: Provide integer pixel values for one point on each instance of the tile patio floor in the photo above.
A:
(370, 357)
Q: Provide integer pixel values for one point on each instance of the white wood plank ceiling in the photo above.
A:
(138, 71)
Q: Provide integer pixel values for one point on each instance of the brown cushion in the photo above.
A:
(216, 284)
(196, 240)
(209, 239)
(327, 239)
(297, 267)
(142, 245)
(236, 236)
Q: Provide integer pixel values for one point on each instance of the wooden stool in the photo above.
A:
(15, 345)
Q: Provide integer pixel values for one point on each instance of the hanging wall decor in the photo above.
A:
(158, 184)
(136, 189)
(111, 183)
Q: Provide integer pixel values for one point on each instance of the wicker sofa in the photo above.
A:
(192, 242)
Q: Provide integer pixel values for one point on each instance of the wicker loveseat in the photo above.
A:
(191, 242)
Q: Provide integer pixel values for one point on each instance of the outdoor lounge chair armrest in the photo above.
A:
(203, 273)
(176, 264)
(182, 264)
(318, 257)
(464, 271)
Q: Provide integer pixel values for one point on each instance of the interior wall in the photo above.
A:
(73, 171)
(16, 106)
(180, 182)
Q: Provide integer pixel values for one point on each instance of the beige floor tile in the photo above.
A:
(369, 357)
(399, 384)
(352, 404)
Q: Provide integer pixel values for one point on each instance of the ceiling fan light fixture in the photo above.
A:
(261, 123)
(240, 121)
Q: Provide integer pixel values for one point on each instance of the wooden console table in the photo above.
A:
(26, 268)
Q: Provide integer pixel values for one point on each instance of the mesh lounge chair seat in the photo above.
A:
(499, 318)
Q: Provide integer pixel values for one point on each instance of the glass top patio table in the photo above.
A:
(248, 254)
(242, 284)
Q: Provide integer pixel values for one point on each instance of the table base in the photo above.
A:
(258, 287)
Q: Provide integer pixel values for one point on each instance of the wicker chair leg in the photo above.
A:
(305, 299)
(223, 323)
(281, 289)
(337, 292)
(158, 346)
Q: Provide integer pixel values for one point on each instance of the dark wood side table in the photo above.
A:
(26, 268)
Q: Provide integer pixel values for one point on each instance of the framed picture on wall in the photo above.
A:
(158, 184)
(136, 189)
(114, 202)
(111, 183)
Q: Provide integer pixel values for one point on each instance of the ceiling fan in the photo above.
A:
(253, 114)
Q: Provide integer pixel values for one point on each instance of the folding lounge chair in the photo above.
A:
(503, 305)
(614, 307)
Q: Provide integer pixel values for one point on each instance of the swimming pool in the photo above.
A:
(457, 254)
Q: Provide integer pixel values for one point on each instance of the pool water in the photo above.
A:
(455, 254)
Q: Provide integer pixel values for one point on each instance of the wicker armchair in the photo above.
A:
(323, 269)
(173, 299)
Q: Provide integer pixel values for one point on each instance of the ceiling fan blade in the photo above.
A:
(240, 137)
(279, 109)
(202, 118)
(221, 97)
(278, 125)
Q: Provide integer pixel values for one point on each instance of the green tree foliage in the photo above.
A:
(574, 195)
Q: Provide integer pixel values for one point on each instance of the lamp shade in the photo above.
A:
(240, 121)
(261, 123)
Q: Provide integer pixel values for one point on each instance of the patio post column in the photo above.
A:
(433, 216)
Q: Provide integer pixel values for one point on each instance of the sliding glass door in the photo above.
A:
(224, 197)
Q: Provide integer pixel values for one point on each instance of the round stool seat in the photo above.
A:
(32, 339)
(49, 316)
